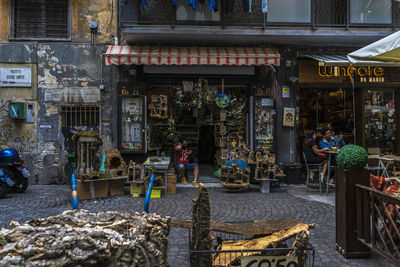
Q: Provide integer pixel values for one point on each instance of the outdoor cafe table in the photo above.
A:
(385, 161)
(330, 153)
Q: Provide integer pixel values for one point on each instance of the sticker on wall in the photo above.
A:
(289, 116)
(285, 92)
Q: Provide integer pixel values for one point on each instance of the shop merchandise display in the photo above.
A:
(132, 120)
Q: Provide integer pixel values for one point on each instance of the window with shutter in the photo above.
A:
(41, 19)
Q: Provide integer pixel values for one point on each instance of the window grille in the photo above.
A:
(41, 19)
(80, 116)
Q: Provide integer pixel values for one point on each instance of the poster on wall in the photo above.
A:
(289, 116)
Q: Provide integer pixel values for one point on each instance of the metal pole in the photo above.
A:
(148, 193)
(354, 109)
(74, 189)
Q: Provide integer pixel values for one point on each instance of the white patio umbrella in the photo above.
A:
(384, 52)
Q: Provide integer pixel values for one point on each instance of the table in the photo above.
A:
(384, 162)
(330, 153)
(160, 164)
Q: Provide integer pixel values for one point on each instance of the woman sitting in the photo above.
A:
(313, 153)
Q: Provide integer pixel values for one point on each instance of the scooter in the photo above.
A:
(13, 168)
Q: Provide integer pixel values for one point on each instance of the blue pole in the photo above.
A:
(148, 193)
(74, 192)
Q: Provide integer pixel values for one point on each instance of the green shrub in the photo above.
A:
(352, 157)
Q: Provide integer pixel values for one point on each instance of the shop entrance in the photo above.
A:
(194, 114)
(328, 107)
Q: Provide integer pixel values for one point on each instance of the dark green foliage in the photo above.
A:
(352, 157)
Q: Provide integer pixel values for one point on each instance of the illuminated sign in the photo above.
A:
(366, 74)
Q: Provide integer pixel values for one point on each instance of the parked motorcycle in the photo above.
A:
(14, 170)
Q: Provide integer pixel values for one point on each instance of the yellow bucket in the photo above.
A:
(136, 190)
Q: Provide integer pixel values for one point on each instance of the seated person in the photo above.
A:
(339, 140)
(328, 141)
(182, 161)
(313, 154)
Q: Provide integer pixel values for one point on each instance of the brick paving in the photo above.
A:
(43, 201)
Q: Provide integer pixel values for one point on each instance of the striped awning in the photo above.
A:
(159, 55)
(329, 59)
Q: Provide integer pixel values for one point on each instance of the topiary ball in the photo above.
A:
(352, 157)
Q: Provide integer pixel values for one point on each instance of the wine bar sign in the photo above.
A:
(15, 77)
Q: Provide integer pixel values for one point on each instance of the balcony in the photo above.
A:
(286, 21)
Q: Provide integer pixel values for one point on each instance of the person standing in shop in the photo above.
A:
(182, 161)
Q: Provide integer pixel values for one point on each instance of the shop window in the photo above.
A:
(40, 19)
(298, 11)
(380, 121)
(184, 12)
(371, 12)
(73, 116)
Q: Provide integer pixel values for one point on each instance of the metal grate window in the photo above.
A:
(80, 116)
(41, 19)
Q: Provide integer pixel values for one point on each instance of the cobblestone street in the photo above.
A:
(43, 201)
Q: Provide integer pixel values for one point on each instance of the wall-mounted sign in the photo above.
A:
(15, 77)
(73, 95)
(285, 91)
(267, 102)
(312, 72)
(288, 117)
(364, 74)
(272, 261)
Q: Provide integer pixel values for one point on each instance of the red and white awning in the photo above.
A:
(158, 55)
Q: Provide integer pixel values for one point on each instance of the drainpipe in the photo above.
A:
(116, 22)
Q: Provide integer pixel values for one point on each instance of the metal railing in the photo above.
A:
(378, 222)
(323, 14)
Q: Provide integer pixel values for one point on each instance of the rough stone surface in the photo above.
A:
(89, 239)
(44, 201)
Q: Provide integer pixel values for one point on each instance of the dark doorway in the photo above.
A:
(207, 147)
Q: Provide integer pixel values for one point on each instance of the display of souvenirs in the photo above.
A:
(158, 106)
(132, 124)
(264, 124)
(222, 100)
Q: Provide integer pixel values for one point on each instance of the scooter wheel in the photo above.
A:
(3, 189)
(21, 183)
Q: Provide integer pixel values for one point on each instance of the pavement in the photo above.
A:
(287, 201)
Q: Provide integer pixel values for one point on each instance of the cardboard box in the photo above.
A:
(171, 179)
(171, 188)
(117, 187)
(92, 189)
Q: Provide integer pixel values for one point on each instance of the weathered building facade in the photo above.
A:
(54, 40)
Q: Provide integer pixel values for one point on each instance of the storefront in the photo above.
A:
(358, 101)
(217, 98)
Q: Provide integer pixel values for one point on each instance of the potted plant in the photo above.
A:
(351, 161)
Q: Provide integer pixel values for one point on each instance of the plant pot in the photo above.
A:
(346, 221)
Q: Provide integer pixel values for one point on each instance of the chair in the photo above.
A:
(312, 168)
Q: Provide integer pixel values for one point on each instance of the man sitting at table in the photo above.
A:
(182, 161)
(328, 141)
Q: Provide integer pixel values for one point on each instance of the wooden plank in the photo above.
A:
(248, 228)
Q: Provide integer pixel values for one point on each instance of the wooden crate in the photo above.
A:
(92, 189)
(117, 186)
(171, 188)
(171, 179)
